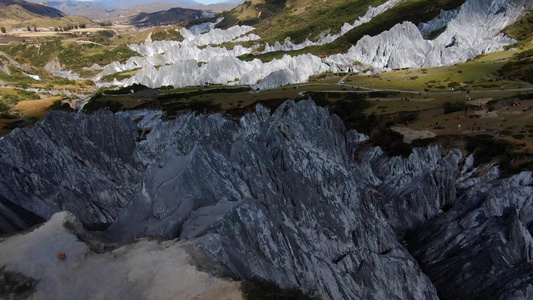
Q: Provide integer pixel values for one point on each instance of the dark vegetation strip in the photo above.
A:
(259, 289)
(520, 67)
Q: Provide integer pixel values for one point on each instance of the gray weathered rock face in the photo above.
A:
(276, 196)
(85, 164)
(415, 189)
(280, 196)
(482, 247)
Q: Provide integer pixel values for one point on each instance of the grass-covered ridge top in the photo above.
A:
(71, 55)
(23, 10)
(300, 20)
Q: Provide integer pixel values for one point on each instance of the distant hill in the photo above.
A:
(125, 4)
(22, 10)
(121, 10)
(167, 17)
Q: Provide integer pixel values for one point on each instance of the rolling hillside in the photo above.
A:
(22, 10)
(121, 10)
(298, 20)
(167, 17)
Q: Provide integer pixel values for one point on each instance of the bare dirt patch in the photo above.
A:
(410, 134)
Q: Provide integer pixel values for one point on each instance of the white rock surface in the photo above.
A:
(227, 69)
(473, 29)
(204, 27)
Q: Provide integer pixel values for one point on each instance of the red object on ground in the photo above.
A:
(61, 255)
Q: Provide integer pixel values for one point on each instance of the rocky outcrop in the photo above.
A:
(474, 29)
(287, 196)
(482, 247)
(369, 15)
(84, 164)
(276, 196)
(413, 190)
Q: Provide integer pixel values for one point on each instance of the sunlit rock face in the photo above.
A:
(475, 28)
(369, 15)
(472, 29)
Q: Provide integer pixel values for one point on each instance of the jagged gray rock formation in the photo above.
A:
(277, 197)
(413, 190)
(488, 233)
(280, 196)
(85, 164)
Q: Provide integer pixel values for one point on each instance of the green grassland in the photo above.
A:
(13, 96)
(159, 33)
(72, 55)
(65, 22)
(75, 56)
(522, 30)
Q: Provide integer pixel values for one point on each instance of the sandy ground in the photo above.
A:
(410, 134)
(146, 269)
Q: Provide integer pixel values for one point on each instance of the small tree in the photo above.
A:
(35, 28)
(83, 25)
(28, 28)
(3, 29)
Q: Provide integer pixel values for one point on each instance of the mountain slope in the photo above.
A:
(464, 33)
(300, 20)
(172, 16)
(104, 11)
(522, 30)
(22, 10)
(125, 4)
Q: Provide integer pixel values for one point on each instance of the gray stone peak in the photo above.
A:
(279, 195)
